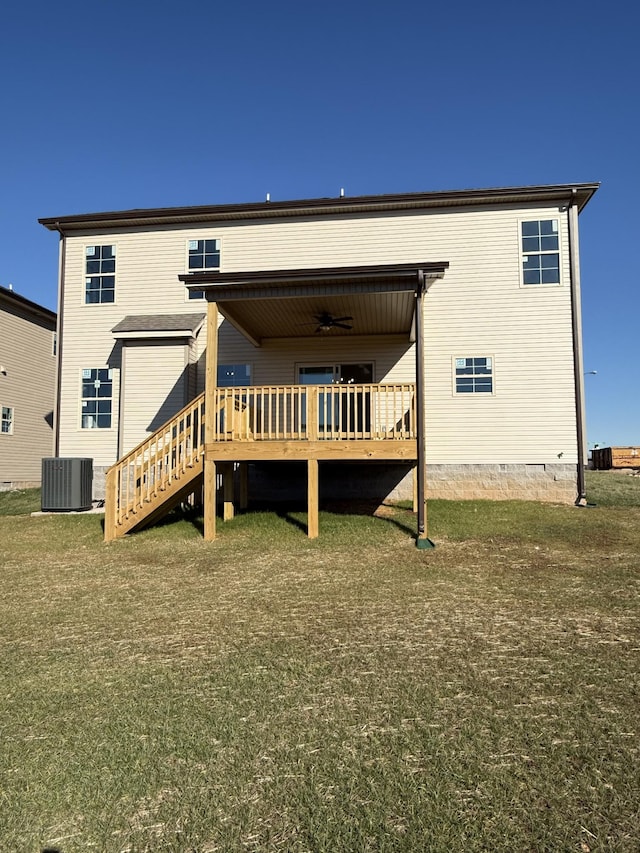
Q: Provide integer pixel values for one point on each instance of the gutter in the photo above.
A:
(422, 540)
(61, 279)
(578, 363)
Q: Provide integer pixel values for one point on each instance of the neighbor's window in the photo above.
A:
(474, 375)
(203, 255)
(97, 395)
(6, 420)
(100, 281)
(54, 344)
(540, 255)
(234, 375)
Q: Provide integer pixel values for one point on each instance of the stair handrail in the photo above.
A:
(154, 463)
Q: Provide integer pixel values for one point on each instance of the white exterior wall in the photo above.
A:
(479, 308)
(155, 383)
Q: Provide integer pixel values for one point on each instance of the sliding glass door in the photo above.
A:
(347, 411)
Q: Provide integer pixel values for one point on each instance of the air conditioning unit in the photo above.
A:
(67, 484)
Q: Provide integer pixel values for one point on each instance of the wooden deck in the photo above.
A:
(286, 423)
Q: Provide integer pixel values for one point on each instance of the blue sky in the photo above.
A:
(113, 105)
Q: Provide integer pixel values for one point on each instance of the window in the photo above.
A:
(540, 256)
(6, 420)
(203, 255)
(234, 375)
(474, 375)
(100, 281)
(97, 394)
(54, 344)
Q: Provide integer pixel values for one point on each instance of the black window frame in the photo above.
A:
(540, 249)
(475, 376)
(98, 405)
(9, 420)
(100, 274)
(201, 258)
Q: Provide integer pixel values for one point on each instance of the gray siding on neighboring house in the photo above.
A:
(27, 386)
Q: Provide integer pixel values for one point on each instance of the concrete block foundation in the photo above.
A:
(286, 481)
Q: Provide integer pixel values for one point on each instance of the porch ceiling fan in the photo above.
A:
(327, 321)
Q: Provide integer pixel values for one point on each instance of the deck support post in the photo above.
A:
(422, 541)
(312, 499)
(110, 509)
(244, 486)
(228, 509)
(209, 500)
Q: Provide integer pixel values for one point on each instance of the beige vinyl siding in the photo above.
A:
(479, 308)
(155, 387)
(27, 387)
(275, 363)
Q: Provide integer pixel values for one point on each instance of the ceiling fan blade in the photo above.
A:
(327, 321)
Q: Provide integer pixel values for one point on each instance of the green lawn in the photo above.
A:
(265, 692)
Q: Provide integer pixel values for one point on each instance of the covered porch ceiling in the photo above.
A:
(263, 304)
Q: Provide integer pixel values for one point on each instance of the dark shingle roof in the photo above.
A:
(169, 323)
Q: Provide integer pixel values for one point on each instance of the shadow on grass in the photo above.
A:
(294, 514)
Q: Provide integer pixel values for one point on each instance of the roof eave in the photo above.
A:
(10, 296)
(321, 206)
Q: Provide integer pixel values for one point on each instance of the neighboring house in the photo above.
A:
(27, 388)
(435, 332)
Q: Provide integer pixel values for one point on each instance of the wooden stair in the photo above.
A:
(157, 475)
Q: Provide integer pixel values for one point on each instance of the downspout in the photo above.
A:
(422, 541)
(61, 276)
(576, 327)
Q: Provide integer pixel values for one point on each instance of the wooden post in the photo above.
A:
(111, 496)
(244, 485)
(209, 500)
(228, 510)
(312, 498)
(414, 477)
(312, 413)
(211, 382)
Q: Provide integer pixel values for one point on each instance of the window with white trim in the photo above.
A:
(474, 375)
(203, 255)
(100, 274)
(234, 375)
(540, 252)
(97, 397)
(6, 420)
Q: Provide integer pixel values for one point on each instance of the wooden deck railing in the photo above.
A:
(315, 412)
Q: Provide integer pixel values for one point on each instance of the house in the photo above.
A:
(422, 344)
(27, 388)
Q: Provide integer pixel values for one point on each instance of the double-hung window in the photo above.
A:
(100, 274)
(540, 252)
(474, 375)
(97, 397)
(6, 420)
(203, 255)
